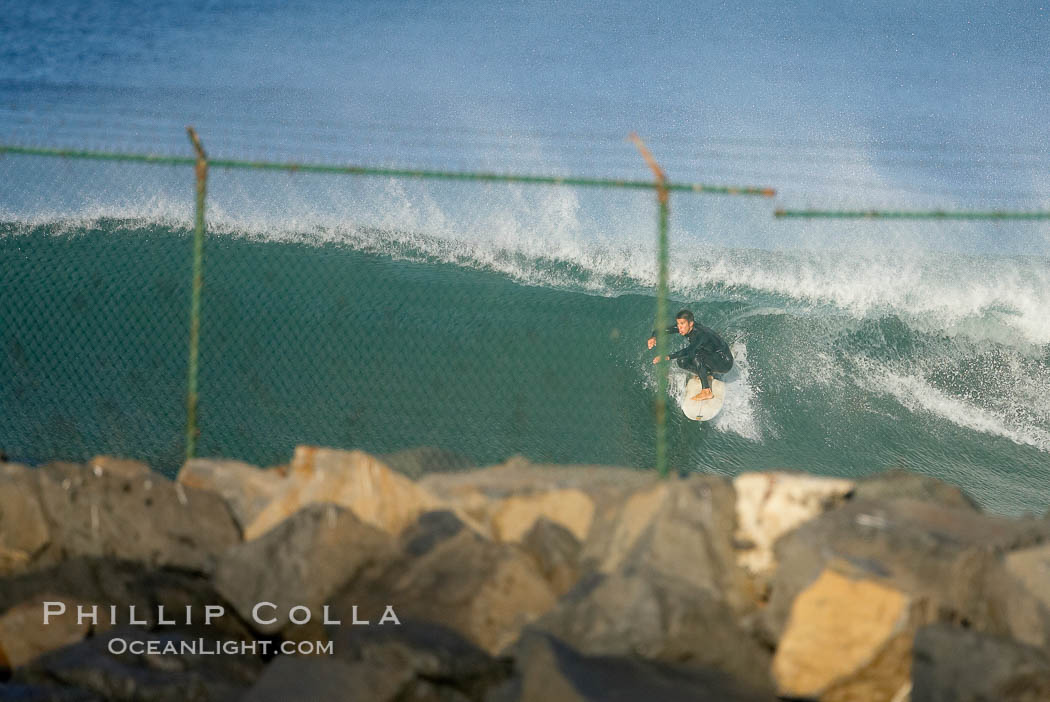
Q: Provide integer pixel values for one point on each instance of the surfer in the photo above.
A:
(706, 353)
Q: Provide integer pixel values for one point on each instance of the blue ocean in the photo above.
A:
(491, 319)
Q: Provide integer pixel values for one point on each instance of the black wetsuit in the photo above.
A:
(706, 353)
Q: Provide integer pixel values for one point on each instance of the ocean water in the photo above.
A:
(489, 320)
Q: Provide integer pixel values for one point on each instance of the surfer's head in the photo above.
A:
(684, 320)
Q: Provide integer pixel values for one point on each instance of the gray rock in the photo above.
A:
(897, 482)
(689, 537)
(326, 678)
(551, 671)
(429, 530)
(46, 693)
(950, 559)
(245, 488)
(146, 518)
(647, 615)
(123, 584)
(952, 664)
(417, 462)
(556, 551)
(444, 665)
(302, 561)
(23, 529)
(89, 666)
(486, 591)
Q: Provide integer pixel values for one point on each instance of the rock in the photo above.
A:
(89, 666)
(681, 529)
(104, 584)
(484, 590)
(119, 468)
(503, 502)
(246, 489)
(768, 505)
(429, 530)
(24, 635)
(950, 559)
(144, 518)
(417, 462)
(325, 678)
(846, 639)
(303, 561)
(430, 652)
(514, 516)
(1031, 567)
(47, 693)
(952, 664)
(23, 529)
(556, 551)
(895, 482)
(550, 671)
(352, 479)
(656, 617)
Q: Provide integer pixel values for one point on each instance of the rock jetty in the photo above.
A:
(348, 576)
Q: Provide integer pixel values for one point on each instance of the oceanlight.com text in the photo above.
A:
(205, 647)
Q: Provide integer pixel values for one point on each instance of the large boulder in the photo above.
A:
(950, 558)
(246, 489)
(353, 479)
(657, 617)
(89, 670)
(846, 639)
(434, 661)
(24, 530)
(327, 678)
(121, 509)
(680, 528)
(896, 482)
(557, 553)
(506, 500)
(769, 505)
(304, 561)
(486, 591)
(953, 664)
(25, 635)
(110, 588)
(551, 671)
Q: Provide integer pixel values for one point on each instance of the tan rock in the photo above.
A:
(353, 479)
(769, 505)
(24, 636)
(1031, 567)
(246, 489)
(514, 516)
(637, 515)
(845, 638)
(23, 527)
(119, 467)
(485, 590)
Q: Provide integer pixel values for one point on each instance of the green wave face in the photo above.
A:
(383, 341)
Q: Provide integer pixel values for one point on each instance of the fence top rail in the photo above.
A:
(391, 172)
(911, 214)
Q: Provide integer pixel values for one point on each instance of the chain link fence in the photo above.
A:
(444, 318)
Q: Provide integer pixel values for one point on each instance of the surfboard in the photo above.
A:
(703, 410)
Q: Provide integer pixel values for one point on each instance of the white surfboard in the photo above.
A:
(703, 410)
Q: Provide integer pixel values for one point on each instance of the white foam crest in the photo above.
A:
(160, 210)
(917, 395)
(738, 414)
(947, 293)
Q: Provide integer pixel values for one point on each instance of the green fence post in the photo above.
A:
(662, 369)
(195, 299)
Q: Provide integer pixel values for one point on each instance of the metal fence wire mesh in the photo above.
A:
(93, 308)
(361, 311)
